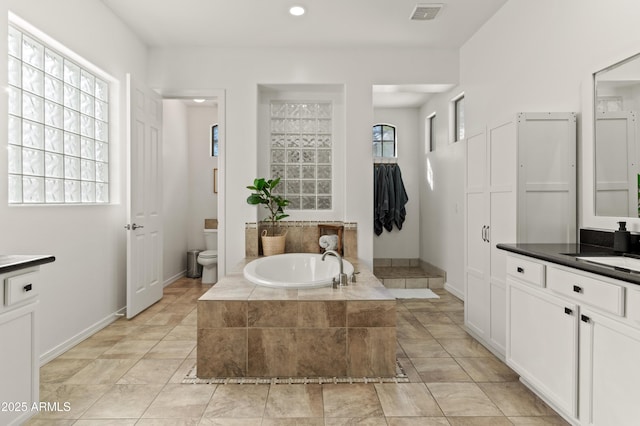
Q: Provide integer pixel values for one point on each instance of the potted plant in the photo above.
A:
(263, 194)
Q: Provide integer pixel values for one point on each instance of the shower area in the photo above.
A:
(398, 152)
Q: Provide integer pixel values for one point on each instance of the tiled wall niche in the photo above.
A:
(302, 237)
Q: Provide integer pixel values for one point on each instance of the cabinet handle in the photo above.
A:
(577, 289)
(520, 270)
(488, 234)
(568, 311)
(585, 318)
(27, 287)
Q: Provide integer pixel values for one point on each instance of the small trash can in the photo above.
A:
(194, 269)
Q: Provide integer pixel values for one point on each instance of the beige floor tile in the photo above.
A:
(78, 397)
(301, 421)
(479, 421)
(457, 317)
(151, 371)
(423, 349)
(417, 421)
(168, 422)
(129, 349)
(232, 401)
(433, 318)
(352, 421)
(179, 308)
(407, 399)
(449, 331)
(166, 318)
(464, 348)
(182, 371)
(60, 369)
(123, 402)
(294, 401)
(107, 422)
(357, 400)
(463, 399)
(180, 401)
(89, 349)
(191, 319)
(514, 399)
(171, 349)
(226, 421)
(410, 370)
(183, 332)
(37, 420)
(487, 370)
(440, 370)
(539, 421)
(102, 371)
(149, 332)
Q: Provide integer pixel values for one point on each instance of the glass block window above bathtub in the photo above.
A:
(301, 153)
(58, 126)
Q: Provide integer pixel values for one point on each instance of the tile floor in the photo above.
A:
(130, 372)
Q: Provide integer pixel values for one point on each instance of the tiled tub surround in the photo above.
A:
(302, 237)
(408, 273)
(246, 330)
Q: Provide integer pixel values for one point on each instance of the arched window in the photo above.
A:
(384, 141)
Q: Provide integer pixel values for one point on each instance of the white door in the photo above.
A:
(144, 234)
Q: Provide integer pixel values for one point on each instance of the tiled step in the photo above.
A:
(407, 277)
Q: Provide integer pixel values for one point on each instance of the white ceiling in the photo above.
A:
(327, 24)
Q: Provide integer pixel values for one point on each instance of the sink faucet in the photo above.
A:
(342, 277)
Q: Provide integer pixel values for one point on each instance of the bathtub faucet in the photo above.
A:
(342, 277)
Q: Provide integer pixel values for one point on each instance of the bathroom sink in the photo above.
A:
(615, 261)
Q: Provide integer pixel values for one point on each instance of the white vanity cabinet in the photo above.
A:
(609, 371)
(19, 355)
(574, 337)
(514, 193)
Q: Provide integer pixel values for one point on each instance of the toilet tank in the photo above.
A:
(210, 239)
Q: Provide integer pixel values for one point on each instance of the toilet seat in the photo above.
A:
(208, 254)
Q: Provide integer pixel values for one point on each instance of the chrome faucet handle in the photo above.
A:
(334, 282)
(343, 279)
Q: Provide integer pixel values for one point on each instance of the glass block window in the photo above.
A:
(214, 140)
(58, 128)
(384, 141)
(301, 153)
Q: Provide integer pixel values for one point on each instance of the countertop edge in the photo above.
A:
(29, 262)
(559, 258)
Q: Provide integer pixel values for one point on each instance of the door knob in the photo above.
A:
(134, 226)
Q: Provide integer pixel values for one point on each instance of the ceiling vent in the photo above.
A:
(425, 12)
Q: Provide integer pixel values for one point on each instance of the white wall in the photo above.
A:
(175, 196)
(86, 284)
(530, 56)
(240, 71)
(442, 195)
(405, 243)
(546, 68)
(203, 203)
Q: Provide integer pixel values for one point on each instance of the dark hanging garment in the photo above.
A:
(389, 198)
(380, 199)
(400, 198)
(388, 219)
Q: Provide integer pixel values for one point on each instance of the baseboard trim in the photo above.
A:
(453, 290)
(175, 278)
(83, 335)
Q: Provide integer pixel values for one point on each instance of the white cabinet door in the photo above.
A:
(19, 364)
(477, 301)
(609, 371)
(542, 343)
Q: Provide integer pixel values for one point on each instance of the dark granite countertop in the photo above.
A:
(14, 262)
(565, 254)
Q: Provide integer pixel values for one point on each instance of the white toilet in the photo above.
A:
(209, 258)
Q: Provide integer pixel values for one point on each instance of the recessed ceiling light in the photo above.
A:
(297, 10)
(198, 101)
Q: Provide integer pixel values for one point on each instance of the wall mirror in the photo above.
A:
(616, 109)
